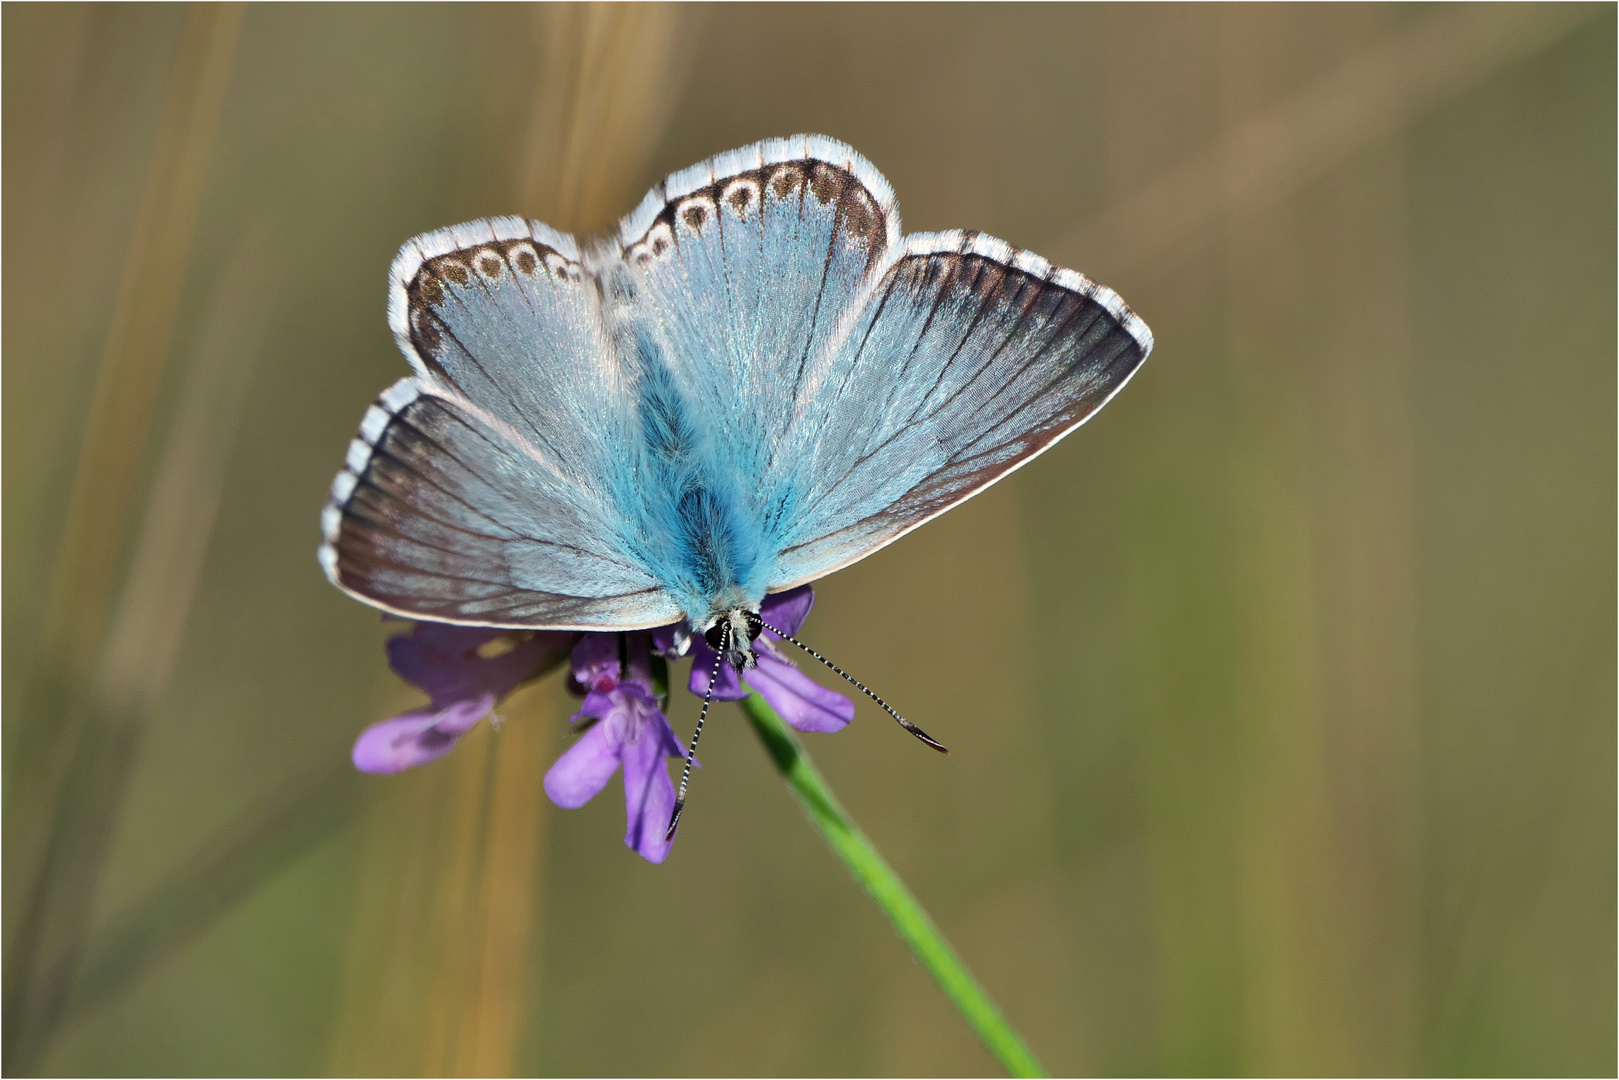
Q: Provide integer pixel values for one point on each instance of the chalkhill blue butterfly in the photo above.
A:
(756, 380)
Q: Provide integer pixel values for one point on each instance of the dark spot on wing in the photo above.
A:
(936, 271)
(455, 269)
(786, 180)
(740, 197)
(425, 293)
(860, 221)
(826, 183)
(857, 215)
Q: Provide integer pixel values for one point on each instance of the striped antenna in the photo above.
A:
(904, 723)
(691, 751)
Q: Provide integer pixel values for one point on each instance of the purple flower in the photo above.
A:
(627, 729)
(630, 730)
(802, 702)
(462, 684)
(620, 723)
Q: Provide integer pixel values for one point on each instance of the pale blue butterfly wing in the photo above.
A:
(737, 274)
(969, 359)
(743, 267)
(481, 490)
(854, 384)
(756, 382)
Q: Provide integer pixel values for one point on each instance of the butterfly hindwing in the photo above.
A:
(439, 514)
(970, 358)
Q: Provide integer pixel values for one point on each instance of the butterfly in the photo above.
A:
(756, 380)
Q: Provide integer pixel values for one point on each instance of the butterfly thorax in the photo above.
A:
(732, 635)
(695, 525)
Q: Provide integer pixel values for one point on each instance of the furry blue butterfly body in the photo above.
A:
(757, 380)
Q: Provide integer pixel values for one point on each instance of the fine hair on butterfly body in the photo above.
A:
(755, 380)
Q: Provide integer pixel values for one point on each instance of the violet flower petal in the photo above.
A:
(443, 660)
(415, 738)
(726, 688)
(596, 706)
(432, 654)
(786, 611)
(649, 794)
(580, 774)
(672, 641)
(596, 664)
(805, 704)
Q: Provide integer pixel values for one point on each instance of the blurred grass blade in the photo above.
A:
(151, 612)
(176, 527)
(179, 516)
(138, 339)
(84, 740)
(116, 431)
(444, 952)
(884, 887)
(245, 855)
(603, 100)
(1368, 97)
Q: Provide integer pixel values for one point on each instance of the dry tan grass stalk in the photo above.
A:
(596, 86)
(178, 518)
(1263, 160)
(76, 778)
(137, 345)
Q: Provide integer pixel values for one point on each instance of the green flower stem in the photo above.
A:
(885, 887)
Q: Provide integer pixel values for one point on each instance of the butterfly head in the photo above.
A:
(731, 634)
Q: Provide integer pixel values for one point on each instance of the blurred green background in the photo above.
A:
(1282, 696)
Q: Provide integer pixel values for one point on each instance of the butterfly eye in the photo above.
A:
(756, 625)
(715, 635)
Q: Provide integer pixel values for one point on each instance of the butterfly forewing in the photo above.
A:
(743, 267)
(970, 358)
